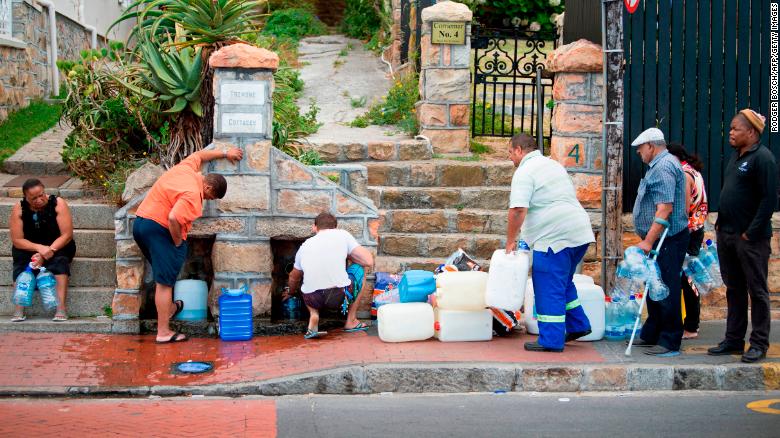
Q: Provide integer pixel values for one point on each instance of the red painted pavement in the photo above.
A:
(160, 417)
(67, 359)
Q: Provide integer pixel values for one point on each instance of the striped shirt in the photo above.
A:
(664, 183)
(555, 218)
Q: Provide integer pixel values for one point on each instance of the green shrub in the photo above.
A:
(521, 12)
(289, 123)
(491, 121)
(361, 19)
(293, 24)
(23, 125)
(397, 108)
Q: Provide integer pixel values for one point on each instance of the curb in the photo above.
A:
(459, 378)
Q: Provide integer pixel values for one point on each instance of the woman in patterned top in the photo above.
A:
(697, 216)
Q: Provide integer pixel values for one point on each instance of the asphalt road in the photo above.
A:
(658, 414)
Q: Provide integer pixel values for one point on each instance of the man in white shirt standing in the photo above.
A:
(321, 262)
(543, 204)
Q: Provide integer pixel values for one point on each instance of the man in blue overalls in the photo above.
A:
(543, 204)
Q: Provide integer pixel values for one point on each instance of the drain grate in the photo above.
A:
(192, 367)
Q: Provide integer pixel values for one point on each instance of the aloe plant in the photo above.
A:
(174, 75)
(200, 21)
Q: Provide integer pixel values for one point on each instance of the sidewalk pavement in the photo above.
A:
(360, 363)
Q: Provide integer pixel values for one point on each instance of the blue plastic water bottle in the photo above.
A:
(709, 258)
(696, 271)
(631, 310)
(25, 287)
(47, 286)
(291, 309)
(235, 315)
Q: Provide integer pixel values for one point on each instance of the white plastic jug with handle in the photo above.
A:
(404, 322)
(463, 325)
(507, 279)
(591, 298)
(463, 290)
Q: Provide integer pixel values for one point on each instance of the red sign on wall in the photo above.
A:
(631, 5)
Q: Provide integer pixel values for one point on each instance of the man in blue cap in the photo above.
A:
(660, 203)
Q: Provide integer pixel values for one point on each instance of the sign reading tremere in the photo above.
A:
(447, 32)
(243, 108)
(246, 93)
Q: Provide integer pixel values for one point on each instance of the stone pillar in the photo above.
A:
(577, 125)
(445, 81)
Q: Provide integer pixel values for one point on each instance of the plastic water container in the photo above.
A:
(194, 295)
(235, 315)
(47, 286)
(415, 286)
(461, 290)
(507, 278)
(591, 298)
(405, 322)
(615, 329)
(631, 310)
(463, 325)
(291, 309)
(25, 287)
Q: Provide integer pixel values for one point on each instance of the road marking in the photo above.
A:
(763, 406)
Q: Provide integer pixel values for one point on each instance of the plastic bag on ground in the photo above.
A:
(462, 261)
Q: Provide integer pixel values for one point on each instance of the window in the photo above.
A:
(6, 19)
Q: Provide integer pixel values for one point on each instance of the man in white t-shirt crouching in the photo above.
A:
(321, 262)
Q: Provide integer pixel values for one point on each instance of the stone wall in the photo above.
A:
(24, 71)
(443, 111)
(270, 195)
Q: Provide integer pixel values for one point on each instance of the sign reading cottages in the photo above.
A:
(243, 107)
(6, 18)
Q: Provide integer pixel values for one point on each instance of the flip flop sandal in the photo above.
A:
(361, 327)
(312, 334)
(173, 339)
(60, 317)
(179, 307)
(18, 318)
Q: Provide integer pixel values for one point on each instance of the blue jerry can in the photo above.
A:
(415, 286)
(235, 315)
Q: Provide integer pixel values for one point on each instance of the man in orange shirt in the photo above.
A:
(163, 220)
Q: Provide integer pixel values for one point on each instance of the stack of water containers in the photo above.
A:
(412, 318)
(704, 269)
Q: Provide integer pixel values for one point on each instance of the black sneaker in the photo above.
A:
(753, 355)
(576, 335)
(725, 349)
(535, 346)
(639, 342)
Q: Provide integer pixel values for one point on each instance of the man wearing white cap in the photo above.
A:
(661, 202)
(744, 227)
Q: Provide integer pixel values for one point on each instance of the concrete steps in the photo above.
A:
(89, 243)
(420, 220)
(82, 302)
(87, 214)
(85, 272)
(338, 151)
(45, 324)
(489, 198)
(439, 173)
(439, 245)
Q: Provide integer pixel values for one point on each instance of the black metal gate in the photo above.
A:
(508, 73)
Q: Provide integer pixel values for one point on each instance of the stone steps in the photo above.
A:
(390, 150)
(81, 301)
(492, 198)
(439, 245)
(85, 272)
(45, 324)
(89, 243)
(467, 220)
(71, 189)
(439, 173)
(400, 264)
(87, 214)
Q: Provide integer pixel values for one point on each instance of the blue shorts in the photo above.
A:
(157, 245)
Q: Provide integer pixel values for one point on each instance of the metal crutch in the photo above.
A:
(653, 255)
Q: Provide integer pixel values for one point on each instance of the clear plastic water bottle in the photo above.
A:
(614, 329)
(709, 258)
(697, 272)
(657, 289)
(25, 287)
(47, 286)
(631, 311)
(522, 245)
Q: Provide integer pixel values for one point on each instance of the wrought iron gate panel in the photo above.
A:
(505, 70)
